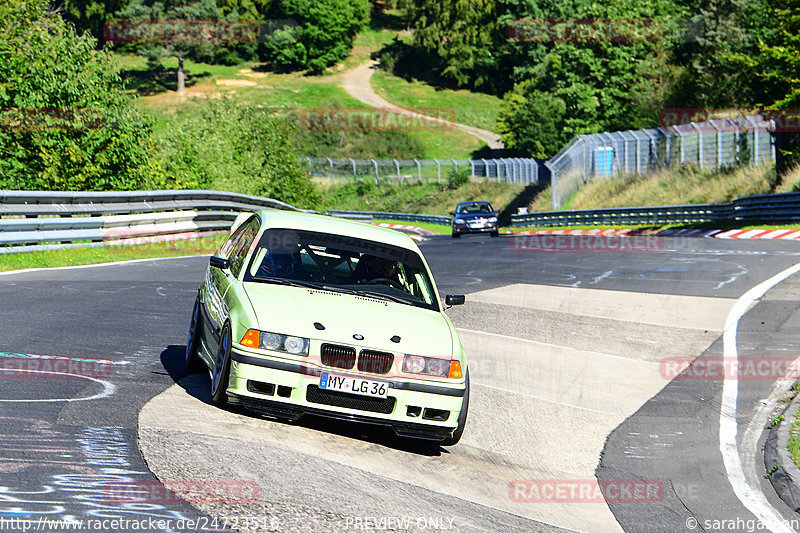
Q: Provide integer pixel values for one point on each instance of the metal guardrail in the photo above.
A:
(406, 217)
(783, 207)
(44, 220)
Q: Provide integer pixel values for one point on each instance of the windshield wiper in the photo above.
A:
(291, 282)
(376, 294)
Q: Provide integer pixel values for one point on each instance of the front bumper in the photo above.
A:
(286, 389)
(465, 229)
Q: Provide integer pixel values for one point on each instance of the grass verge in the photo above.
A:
(438, 229)
(108, 254)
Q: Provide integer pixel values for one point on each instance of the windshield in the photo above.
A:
(344, 264)
(474, 208)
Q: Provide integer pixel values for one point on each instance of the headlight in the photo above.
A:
(492, 219)
(460, 222)
(431, 366)
(266, 340)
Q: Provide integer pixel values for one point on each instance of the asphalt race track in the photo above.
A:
(572, 357)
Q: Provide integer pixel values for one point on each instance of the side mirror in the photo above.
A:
(452, 212)
(454, 299)
(219, 262)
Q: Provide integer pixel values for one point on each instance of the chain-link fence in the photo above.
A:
(711, 144)
(511, 170)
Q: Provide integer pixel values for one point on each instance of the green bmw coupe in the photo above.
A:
(307, 314)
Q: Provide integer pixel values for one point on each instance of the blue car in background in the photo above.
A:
(474, 217)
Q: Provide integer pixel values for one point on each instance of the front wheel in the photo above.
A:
(462, 418)
(456, 235)
(193, 361)
(222, 369)
(495, 234)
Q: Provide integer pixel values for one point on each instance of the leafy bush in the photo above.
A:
(457, 178)
(323, 35)
(357, 141)
(230, 146)
(66, 123)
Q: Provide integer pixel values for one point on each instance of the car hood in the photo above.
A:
(293, 311)
(471, 216)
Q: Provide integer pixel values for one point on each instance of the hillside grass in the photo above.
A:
(474, 109)
(685, 185)
(426, 198)
(283, 92)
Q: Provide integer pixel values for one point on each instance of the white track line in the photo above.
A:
(752, 498)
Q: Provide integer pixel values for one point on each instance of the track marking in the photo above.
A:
(108, 389)
(753, 499)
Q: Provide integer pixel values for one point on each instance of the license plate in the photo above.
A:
(476, 226)
(362, 387)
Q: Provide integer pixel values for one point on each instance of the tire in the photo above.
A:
(193, 361)
(222, 369)
(495, 234)
(462, 419)
(456, 235)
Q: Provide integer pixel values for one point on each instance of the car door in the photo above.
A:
(219, 280)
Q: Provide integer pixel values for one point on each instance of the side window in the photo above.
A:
(239, 244)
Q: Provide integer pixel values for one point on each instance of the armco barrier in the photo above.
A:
(406, 217)
(776, 208)
(33, 220)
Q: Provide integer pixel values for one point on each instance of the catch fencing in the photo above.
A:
(710, 144)
(397, 171)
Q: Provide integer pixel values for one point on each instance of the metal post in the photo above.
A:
(309, 166)
(355, 176)
(472, 166)
(719, 143)
(497, 169)
(377, 177)
(736, 149)
(456, 164)
(683, 144)
(419, 171)
(397, 166)
(331, 163)
(699, 143)
(485, 169)
(438, 171)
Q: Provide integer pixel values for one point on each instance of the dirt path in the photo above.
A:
(357, 84)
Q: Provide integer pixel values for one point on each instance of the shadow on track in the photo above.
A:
(198, 385)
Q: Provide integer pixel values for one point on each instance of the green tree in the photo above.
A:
(66, 122)
(322, 35)
(157, 30)
(91, 15)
